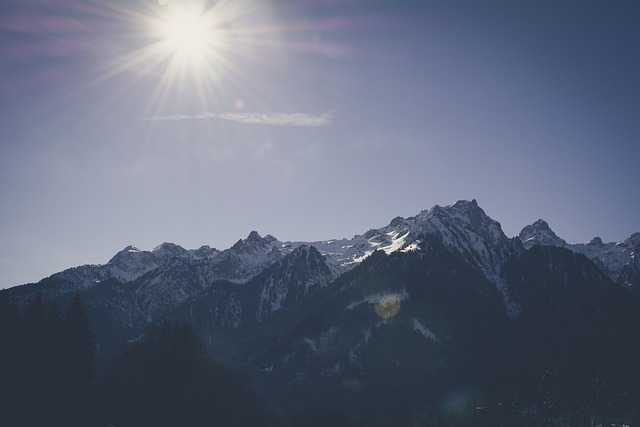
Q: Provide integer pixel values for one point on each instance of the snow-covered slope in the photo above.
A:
(169, 274)
(125, 266)
(539, 233)
(462, 228)
(620, 260)
(239, 263)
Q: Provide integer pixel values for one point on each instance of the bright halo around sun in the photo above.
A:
(192, 51)
(189, 44)
(187, 33)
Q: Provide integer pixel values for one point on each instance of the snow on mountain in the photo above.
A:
(344, 254)
(170, 250)
(291, 279)
(614, 258)
(125, 266)
(462, 228)
(244, 259)
(539, 233)
(465, 229)
(203, 252)
(238, 263)
(630, 276)
(131, 263)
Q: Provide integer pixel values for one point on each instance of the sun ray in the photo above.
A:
(179, 45)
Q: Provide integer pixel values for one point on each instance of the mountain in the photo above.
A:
(539, 233)
(394, 319)
(422, 321)
(620, 260)
(224, 310)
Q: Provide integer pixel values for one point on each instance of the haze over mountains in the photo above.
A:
(422, 305)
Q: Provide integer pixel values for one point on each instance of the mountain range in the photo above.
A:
(406, 316)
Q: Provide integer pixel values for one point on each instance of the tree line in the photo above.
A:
(164, 378)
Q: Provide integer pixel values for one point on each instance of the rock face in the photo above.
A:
(425, 302)
(539, 233)
(620, 260)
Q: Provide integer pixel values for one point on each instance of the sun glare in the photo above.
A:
(187, 33)
(189, 44)
(188, 48)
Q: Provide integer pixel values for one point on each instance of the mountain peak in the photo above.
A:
(596, 241)
(464, 228)
(541, 223)
(269, 239)
(469, 216)
(397, 221)
(124, 253)
(170, 250)
(634, 239)
(539, 233)
(131, 263)
(254, 240)
(471, 211)
(466, 204)
(254, 237)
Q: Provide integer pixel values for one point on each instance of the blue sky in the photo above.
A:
(308, 120)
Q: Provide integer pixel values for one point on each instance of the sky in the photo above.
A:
(138, 122)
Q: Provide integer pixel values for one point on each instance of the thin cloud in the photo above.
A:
(274, 119)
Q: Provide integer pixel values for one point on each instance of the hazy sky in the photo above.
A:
(308, 120)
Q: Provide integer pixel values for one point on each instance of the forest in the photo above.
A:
(163, 378)
(51, 376)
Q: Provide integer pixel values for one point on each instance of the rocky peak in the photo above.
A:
(478, 221)
(465, 229)
(254, 237)
(131, 263)
(127, 254)
(539, 233)
(398, 222)
(269, 239)
(634, 239)
(596, 241)
(170, 250)
(204, 252)
(462, 218)
(255, 242)
(307, 252)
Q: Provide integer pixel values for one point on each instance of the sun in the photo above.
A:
(187, 33)
(187, 51)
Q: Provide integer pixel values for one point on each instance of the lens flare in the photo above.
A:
(388, 306)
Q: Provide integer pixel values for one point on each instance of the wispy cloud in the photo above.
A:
(274, 119)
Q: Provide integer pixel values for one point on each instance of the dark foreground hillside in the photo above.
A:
(423, 339)
(164, 378)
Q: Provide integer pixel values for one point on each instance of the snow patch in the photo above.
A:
(376, 298)
(426, 332)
